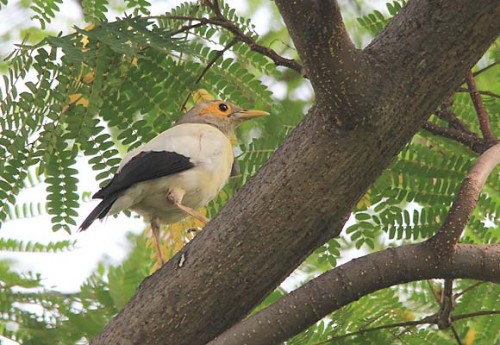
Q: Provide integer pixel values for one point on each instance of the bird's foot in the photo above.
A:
(176, 201)
(193, 230)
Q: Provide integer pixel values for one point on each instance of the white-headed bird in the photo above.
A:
(177, 172)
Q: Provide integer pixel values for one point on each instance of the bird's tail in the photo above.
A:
(100, 211)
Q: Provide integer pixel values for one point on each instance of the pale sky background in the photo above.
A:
(106, 241)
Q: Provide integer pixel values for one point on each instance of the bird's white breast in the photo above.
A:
(207, 148)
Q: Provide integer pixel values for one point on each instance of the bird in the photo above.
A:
(178, 172)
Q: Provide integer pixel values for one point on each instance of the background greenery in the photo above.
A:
(87, 96)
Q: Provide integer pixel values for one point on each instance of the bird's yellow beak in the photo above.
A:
(250, 114)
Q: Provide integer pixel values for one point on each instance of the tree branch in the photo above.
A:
(319, 34)
(482, 114)
(465, 202)
(431, 319)
(472, 141)
(445, 113)
(493, 64)
(242, 37)
(188, 27)
(395, 57)
(473, 286)
(332, 63)
(360, 277)
(456, 130)
(446, 302)
(299, 198)
(456, 335)
(481, 92)
(216, 57)
(214, 5)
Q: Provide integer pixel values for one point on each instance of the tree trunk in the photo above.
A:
(369, 104)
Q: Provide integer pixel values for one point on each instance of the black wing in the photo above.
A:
(145, 166)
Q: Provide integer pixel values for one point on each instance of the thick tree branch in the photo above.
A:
(332, 63)
(482, 115)
(299, 198)
(319, 34)
(355, 279)
(416, 24)
(349, 282)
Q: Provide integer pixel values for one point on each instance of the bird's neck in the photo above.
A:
(228, 131)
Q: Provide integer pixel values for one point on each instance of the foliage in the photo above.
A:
(133, 67)
(31, 314)
(376, 21)
(89, 95)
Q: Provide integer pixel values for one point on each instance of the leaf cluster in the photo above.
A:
(31, 314)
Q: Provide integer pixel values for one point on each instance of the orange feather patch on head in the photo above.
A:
(216, 108)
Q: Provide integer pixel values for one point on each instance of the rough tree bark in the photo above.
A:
(369, 103)
(347, 283)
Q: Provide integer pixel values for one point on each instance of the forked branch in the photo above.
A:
(482, 114)
(444, 258)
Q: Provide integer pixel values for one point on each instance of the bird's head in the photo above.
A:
(220, 114)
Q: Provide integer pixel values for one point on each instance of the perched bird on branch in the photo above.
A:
(177, 172)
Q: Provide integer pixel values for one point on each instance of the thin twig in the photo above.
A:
(470, 140)
(434, 292)
(477, 313)
(455, 334)
(481, 92)
(454, 121)
(186, 28)
(242, 37)
(485, 68)
(432, 319)
(186, 34)
(446, 113)
(446, 305)
(482, 114)
(473, 286)
(214, 5)
(218, 54)
(427, 320)
(215, 58)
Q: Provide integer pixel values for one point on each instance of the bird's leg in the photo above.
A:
(155, 228)
(174, 198)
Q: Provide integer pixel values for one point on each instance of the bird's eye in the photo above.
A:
(223, 107)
